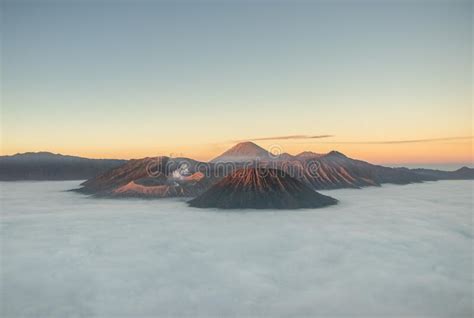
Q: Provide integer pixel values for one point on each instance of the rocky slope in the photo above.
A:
(260, 188)
(335, 170)
(153, 177)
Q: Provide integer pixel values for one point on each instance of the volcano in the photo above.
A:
(261, 188)
(244, 151)
(151, 177)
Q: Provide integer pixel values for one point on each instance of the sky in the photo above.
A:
(387, 82)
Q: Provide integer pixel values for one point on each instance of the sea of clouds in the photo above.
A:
(389, 251)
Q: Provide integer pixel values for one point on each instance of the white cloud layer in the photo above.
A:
(395, 250)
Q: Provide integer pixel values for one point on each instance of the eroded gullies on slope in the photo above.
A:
(261, 188)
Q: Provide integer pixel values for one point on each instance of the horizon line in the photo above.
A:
(388, 163)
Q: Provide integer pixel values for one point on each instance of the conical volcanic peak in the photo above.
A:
(336, 154)
(261, 188)
(244, 151)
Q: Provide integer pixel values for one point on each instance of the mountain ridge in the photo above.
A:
(332, 170)
(45, 165)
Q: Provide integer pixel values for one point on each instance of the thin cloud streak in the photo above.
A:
(388, 142)
(286, 137)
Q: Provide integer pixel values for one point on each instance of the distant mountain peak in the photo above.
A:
(246, 144)
(334, 153)
(38, 156)
(308, 154)
(243, 151)
(36, 153)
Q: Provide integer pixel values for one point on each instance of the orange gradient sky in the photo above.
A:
(435, 152)
(193, 78)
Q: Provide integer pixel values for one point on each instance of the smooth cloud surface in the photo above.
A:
(394, 250)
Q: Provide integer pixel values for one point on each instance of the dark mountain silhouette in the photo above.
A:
(49, 166)
(260, 188)
(463, 173)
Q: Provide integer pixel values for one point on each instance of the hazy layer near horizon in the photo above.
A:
(436, 166)
(393, 250)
